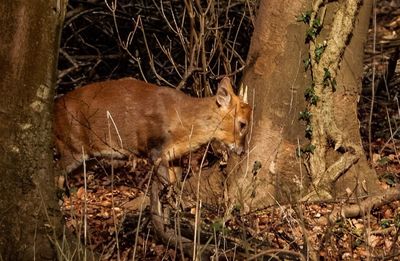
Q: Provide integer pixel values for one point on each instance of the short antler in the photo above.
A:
(243, 93)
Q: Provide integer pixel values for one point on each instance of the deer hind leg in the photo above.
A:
(159, 183)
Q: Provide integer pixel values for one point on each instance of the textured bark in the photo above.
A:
(276, 76)
(360, 176)
(29, 45)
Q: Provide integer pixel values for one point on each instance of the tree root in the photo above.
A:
(334, 172)
(168, 235)
(364, 207)
(321, 186)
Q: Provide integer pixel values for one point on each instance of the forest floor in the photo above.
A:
(118, 222)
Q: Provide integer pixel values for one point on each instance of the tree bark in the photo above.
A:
(28, 53)
(277, 81)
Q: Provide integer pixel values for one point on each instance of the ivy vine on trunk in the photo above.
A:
(325, 56)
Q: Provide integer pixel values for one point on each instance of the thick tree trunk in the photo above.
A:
(29, 45)
(277, 77)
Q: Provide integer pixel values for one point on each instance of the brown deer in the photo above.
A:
(127, 117)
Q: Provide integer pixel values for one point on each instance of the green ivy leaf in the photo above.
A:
(314, 30)
(304, 17)
(317, 23)
(314, 100)
(307, 63)
(310, 96)
(319, 50)
(305, 115)
(311, 33)
(327, 76)
(309, 131)
(309, 92)
(310, 148)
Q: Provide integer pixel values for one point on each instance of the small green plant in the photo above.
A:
(385, 223)
(218, 226)
(383, 161)
(389, 178)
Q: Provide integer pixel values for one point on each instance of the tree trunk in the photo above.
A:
(277, 81)
(28, 53)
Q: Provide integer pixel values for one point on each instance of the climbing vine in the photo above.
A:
(322, 62)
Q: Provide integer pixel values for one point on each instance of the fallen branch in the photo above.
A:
(365, 206)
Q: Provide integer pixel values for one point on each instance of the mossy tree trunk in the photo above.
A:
(29, 209)
(333, 161)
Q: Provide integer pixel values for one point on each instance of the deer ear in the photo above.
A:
(223, 96)
(224, 93)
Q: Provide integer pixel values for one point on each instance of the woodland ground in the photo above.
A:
(119, 225)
